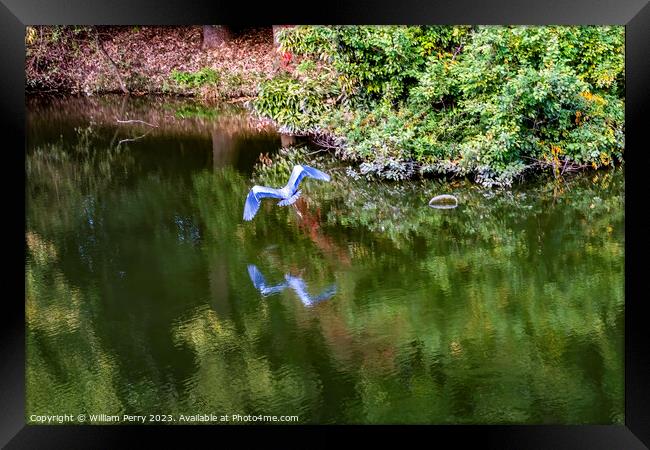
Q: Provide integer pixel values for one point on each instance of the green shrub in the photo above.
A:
(293, 103)
(193, 80)
(214, 86)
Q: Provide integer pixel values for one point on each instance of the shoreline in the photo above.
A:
(319, 139)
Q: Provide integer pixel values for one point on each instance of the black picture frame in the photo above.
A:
(634, 14)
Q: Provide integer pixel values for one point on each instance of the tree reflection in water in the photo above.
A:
(506, 309)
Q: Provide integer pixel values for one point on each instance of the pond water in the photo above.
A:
(146, 292)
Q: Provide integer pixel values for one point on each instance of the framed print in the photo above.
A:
(421, 218)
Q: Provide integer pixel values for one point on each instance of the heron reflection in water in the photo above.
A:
(296, 283)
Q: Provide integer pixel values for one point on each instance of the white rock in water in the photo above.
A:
(444, 201)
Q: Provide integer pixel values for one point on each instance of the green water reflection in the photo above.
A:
(507, 309)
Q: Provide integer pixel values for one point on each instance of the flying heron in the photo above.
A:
(296, 283)
(287, 195)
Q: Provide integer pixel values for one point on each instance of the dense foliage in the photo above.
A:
(487, 101)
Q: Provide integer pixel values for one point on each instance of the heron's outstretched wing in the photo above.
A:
(325, 295)
(273, 289)
(253, 199)
(299, 172)
(300, 288)
(260, 282)
(256, 277)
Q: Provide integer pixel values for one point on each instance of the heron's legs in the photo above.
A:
(297, 211)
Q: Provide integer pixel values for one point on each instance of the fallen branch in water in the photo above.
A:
(133, 139)
(136, 121)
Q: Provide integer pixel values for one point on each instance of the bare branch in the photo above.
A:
(458, 49)
(102, 50)
(136, 121)
(322, 143)
(133, 139)
(316, 151)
